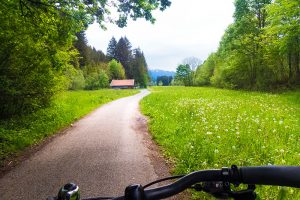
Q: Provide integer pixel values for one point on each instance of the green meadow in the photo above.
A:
(201, 128)
(20, 132)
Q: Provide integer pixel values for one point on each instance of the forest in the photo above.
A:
(44, 50)
(260, 50)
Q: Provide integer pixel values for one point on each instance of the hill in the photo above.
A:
(157, 72)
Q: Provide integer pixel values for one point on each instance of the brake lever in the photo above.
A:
(221, 190)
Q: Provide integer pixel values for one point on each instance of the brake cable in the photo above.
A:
(163, 179)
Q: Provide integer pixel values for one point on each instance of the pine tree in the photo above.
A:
(123, 54)
(81, 45)
(139, 68)
(111, 49)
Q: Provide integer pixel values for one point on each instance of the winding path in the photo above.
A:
(103, 153)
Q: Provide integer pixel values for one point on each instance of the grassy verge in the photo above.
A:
(201, 128)
(18, 133)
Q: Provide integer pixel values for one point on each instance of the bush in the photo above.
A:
(92, 82)
(96, 81)
(205, 71)
(103, 79)
(77, 81)
(116, 70)
(29, 79)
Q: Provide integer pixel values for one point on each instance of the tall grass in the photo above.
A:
(201, 128)
(21, 132)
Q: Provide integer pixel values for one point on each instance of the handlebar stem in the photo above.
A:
(135, 192)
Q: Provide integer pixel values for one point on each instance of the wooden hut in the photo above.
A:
(122, 84)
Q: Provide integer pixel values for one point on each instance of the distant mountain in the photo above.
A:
(154, 73)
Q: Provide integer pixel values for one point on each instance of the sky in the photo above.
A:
(189, 28)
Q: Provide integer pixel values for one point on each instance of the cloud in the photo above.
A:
(187, 28)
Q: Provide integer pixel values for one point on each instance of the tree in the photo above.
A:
(193, 62)
(35, 50)
(77, 81)
(92, 81)
(205, 71)
(111, 49)
(103, 79)
(87, 54)
(164, 80)
(184, 74)
(116, 70)
(284, 28)
(124, 55)
(139, 68)
(81, 45)
(37, 45)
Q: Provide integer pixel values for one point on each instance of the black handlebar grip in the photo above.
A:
(271, 175)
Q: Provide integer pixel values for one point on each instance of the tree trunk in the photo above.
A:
(290, 66)
(297, 67)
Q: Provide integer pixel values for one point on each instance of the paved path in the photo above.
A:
(102, 153)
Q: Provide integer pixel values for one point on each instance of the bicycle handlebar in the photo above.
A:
(260, 175)
(183, 183)
(271, 175)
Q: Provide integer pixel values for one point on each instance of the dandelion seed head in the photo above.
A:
(281, 151)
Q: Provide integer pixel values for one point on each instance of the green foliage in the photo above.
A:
(184, 75)
(111, 49)
(95, 81)
(133, 61)
(260, 50)
(34, 53)
(92, 81)
(95, 68)
(88, 55)
(116, 70)
(204, 128)
(77, 81)
(20, 132)
(139, 68)
(205, 71)
(284, 29)
(37, 51)
(164, 80)
(103, 79)
(123, 54)
(32, 59)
